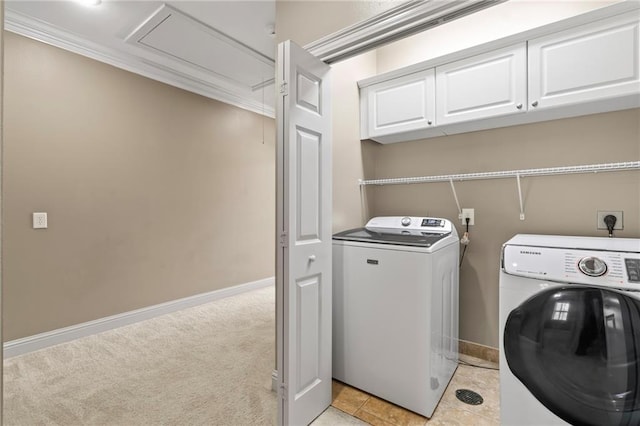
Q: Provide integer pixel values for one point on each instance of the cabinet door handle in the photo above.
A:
(519, 106)
(312, 258)
(429, 122)
(534, 104)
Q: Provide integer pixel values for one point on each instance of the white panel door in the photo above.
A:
(586, 63)
(400, 105)
(488, 85)
(303, 272)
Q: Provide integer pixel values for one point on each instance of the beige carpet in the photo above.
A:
(208, 365)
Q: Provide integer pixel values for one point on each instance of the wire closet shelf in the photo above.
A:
(549, 171)
(591, 168)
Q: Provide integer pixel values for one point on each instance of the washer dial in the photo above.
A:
(405, 221)
(592, 266)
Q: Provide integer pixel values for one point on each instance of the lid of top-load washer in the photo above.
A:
(400, 230)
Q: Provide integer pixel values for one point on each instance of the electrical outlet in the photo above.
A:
(468, 213)
(617, 214)
(39, 220)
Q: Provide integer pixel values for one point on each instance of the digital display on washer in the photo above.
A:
(633, 270)
(432, 222)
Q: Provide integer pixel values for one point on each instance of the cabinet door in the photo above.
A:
(586, 63)
(400, 105)
(482, 86)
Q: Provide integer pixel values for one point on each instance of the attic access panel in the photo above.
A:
(176, 35)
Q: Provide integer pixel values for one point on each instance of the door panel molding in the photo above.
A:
(303, 255)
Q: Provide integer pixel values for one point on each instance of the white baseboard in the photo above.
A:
(66, 334)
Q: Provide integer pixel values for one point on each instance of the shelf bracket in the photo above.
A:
(520, 196)
(455, 196)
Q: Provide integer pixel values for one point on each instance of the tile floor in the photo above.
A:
(450, 411)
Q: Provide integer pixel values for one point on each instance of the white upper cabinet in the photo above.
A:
(590, 62)
(586, 63)
(488, 85)
(399, 105)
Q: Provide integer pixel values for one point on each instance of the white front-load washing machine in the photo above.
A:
(570, 331)
(395, 309)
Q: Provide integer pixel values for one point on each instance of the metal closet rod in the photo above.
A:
(590, 168)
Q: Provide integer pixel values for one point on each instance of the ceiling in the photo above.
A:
(224, 50)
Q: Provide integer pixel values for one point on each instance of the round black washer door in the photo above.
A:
(577, 350)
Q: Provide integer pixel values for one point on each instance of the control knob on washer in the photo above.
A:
(592, 266)
(406, 221)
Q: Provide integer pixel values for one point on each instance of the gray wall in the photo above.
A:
(564, 205)
(153, 193)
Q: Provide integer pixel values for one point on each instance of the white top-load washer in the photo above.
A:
(395, 309)
(570, 331)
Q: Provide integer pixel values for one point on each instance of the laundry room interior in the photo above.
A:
(563, 205)
(161, 193)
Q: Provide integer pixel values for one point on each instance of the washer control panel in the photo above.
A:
(574, 266)
(424, 224)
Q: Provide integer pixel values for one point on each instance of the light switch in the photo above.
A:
(39, 220)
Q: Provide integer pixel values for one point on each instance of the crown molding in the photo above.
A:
(209, 87)
(396, 23)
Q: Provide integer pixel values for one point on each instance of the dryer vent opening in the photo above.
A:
(469, 397)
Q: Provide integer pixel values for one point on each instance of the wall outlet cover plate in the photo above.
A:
(39, 220)
(468, 213)
(617, 213)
